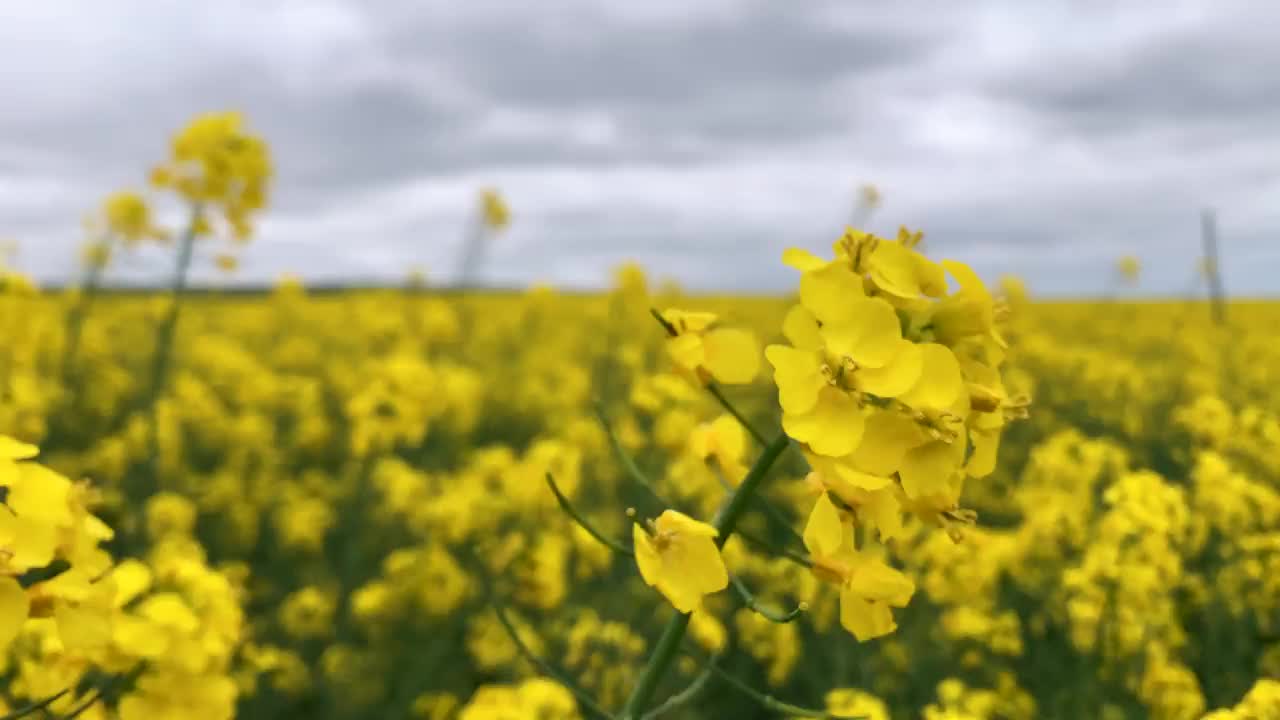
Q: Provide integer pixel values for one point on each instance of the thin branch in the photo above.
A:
(671, 329)
(762, 502)
(768, 702)
(560, 677)
(684, 697)
(624, 458)
(769, 547)
(714, 389)
(34, 707)
(569, 510)
(100, 693)
(753, 604)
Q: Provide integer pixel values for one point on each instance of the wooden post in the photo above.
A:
(1209, 237)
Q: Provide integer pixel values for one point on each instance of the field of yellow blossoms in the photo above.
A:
(899, 492)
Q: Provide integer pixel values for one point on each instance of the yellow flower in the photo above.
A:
(227, 262)
(1129, 268)
(215, 162)
(724, 442)
(706, 352)
(493, 209)
(128, 217)
(681, 559)
(869, 588)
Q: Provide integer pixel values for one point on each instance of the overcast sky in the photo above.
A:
(698, 138)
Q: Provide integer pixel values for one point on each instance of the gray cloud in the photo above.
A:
(1040, 138)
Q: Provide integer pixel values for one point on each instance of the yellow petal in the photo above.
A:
(893, 270)
(867, 620)
(32, 542)
(82, 627)
(41, 494)
(730, 438)
(700, 564)
(798, 375)
(882, 511)
(800, 327)
(888, 437)
(14, 607)
(869, 332)
(732, 356)
(874, 580)
(11, 449)
(940, 380)
(985, 448)
(927, 470)
(685, 321)
(828, 292)
(686, 351)
(802, 260)
(894, 379)
(132, 579)
(139, 638)
(824, 532)
(834, 426)
(674, 521)
(647, 558)
(931, 276)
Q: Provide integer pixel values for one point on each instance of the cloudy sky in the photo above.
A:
(700, 139)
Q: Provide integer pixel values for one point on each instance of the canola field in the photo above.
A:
(899, 492)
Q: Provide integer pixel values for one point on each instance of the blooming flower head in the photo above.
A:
(1129, 268)
(128, 217)
(681, 559)
(493, 210)
(217, 164)
(706, 351)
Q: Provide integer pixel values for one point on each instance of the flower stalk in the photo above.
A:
(668, 646)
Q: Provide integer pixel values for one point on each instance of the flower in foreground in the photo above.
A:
(869, 588)
(680, 559)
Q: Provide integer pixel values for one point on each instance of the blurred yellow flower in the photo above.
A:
(493, 209)
(680, 559)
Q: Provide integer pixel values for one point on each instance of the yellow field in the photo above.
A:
(895, 494)
(345, 502)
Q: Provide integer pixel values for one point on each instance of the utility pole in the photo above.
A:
(1209, 237)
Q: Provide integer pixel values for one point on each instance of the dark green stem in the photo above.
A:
(572, 512)
(545, 667)
(726, 521)
(768, 702)
(77, 315)
(750, 602)
(35, 707)
(714, 389)
(686, 696)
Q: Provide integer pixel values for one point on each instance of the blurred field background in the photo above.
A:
(331, 390)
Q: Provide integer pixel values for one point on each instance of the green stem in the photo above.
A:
(624, 458)
(544, 666)
(572, 512)
(768, 702)
(77, 315)
(168, 326)
(684, 697)
(668, 647)
(750, 602)
(472, 254)
(35, 707)
(714, 389)
(770, 548)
